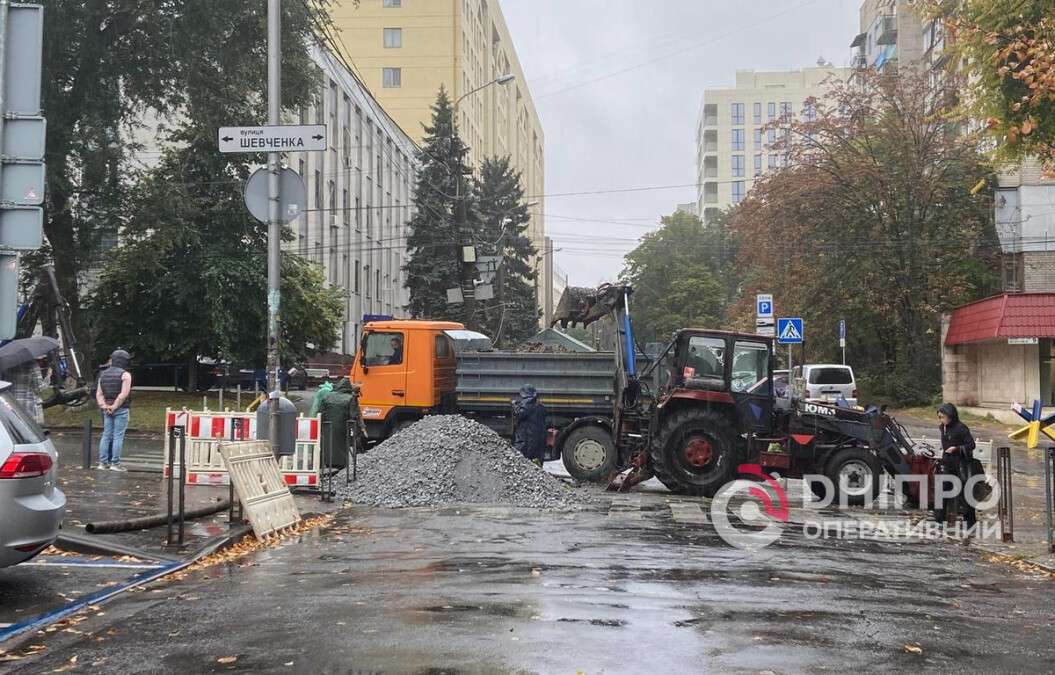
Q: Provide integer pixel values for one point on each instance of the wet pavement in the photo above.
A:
(638, 582)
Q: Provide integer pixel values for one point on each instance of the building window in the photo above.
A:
(738, 191)
(773, 164)
(392, 78)
(366, 273)
(738, 113)
(809, 111)
(738, 166)
(392, 3)
(758, 165)
(758, 137)
(318, 190)
(757, 113)
(377, 284)
(785, 110)
(738, 139)
(771, 109)
(393, 38)
(771, 136)
(356, 280)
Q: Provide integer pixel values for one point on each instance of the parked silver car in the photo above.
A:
(31, 504)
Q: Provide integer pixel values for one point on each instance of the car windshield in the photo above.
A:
(831, 376)
(22, 428)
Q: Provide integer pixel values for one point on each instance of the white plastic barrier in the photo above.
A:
(207, 429)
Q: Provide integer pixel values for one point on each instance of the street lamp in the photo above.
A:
(501, 79)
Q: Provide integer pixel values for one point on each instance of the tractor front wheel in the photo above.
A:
(589, 454)
(856, 475)
(694, 452)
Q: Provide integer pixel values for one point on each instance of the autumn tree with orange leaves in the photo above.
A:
(873, 220)
(1006, 51)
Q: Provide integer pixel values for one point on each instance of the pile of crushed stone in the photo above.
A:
(449, 459)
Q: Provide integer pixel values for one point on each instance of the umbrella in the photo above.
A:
(17, 352)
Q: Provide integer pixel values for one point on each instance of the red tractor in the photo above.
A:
(705, 405)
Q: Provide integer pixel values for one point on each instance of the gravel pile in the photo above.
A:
(448, 459)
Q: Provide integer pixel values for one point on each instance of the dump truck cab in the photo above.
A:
(405, 370)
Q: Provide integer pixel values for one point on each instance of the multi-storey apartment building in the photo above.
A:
(891, 33)
(407, 49)
(360, 193)
(733, 147)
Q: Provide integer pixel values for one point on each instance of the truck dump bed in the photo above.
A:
(575, 383)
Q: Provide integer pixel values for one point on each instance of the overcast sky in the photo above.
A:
(618, 85)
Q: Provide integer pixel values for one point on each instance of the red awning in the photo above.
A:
(1005, 316)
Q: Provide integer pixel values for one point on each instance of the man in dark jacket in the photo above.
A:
(957, 445)
(529, 435)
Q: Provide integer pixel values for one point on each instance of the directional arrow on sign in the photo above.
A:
(226, 139)
(273, 138)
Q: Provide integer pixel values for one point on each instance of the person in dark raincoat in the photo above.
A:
(529, 434)
(957, 445)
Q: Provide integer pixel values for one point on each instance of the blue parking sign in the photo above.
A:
(789, 330)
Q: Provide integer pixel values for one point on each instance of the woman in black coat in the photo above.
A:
(957, 445)
(529, 434)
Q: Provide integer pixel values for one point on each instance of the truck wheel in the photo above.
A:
(855, 473)
(589, 454)
(694, 452)
(819, 489)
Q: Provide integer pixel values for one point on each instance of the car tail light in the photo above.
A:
(29, 548)
(26, 465)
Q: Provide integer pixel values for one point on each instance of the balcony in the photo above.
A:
(887, 34)
(710, 193)
(710, 167)
(710, 115)
(710, 141)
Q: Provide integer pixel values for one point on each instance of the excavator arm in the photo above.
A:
(47, 307)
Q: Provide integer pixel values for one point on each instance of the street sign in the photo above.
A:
(292, 195)
(789, 330)
(24, 138)
(766, 327)
(23, 44)
(1023, 341)
(8, 295)
(842, 333)
(764, 305)
(22, 184)
(21, 229)
(284, 138)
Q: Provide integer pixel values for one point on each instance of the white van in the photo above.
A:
(828, 382)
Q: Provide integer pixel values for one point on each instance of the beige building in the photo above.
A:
(891, 33)
(406, 49)
(732, 146)
(360, 198)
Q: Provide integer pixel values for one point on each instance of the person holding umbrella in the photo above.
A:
(19, 361)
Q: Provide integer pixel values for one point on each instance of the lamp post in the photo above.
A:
(460, 214)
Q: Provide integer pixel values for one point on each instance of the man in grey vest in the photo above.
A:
(112, 393)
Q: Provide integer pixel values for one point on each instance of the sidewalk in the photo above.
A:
(1027, 486)
(95, 495)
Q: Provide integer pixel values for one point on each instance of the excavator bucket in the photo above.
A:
(585, 305)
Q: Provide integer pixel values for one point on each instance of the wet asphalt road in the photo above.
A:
(637, 586)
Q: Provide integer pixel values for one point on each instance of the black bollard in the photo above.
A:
(86, 443)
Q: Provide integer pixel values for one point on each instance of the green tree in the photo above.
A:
(503, 218)
(680, 275)
(106, 64)
(873, 221)
(435, 241)
(1006, 49)
(189, 277)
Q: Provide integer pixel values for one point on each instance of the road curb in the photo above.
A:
(220, 542)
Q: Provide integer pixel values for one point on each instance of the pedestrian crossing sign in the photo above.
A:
(789, 330)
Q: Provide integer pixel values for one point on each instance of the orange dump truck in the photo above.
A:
(409, 369)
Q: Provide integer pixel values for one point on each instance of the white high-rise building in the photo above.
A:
(732, 146)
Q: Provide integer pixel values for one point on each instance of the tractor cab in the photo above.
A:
(720, 368)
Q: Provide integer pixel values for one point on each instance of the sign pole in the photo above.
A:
(274, 226)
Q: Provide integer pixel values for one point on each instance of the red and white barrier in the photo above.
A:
(207, 429)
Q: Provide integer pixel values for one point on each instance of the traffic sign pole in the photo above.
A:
(274, 225)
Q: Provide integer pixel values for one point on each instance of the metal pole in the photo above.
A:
(171, 476)
(86, 443)
(1049, 467)
(182, 485)
(327, 448)
(221, 396)
(235, 435)
(274, 227)
(238, 405)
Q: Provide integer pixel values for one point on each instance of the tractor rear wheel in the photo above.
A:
(589, 454)
(855, 473)
(694, 452)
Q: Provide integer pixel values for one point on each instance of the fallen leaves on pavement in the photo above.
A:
(913, 649)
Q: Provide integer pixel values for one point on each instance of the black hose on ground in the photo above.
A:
(147, 522)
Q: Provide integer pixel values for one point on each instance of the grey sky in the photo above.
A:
(607, 129)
